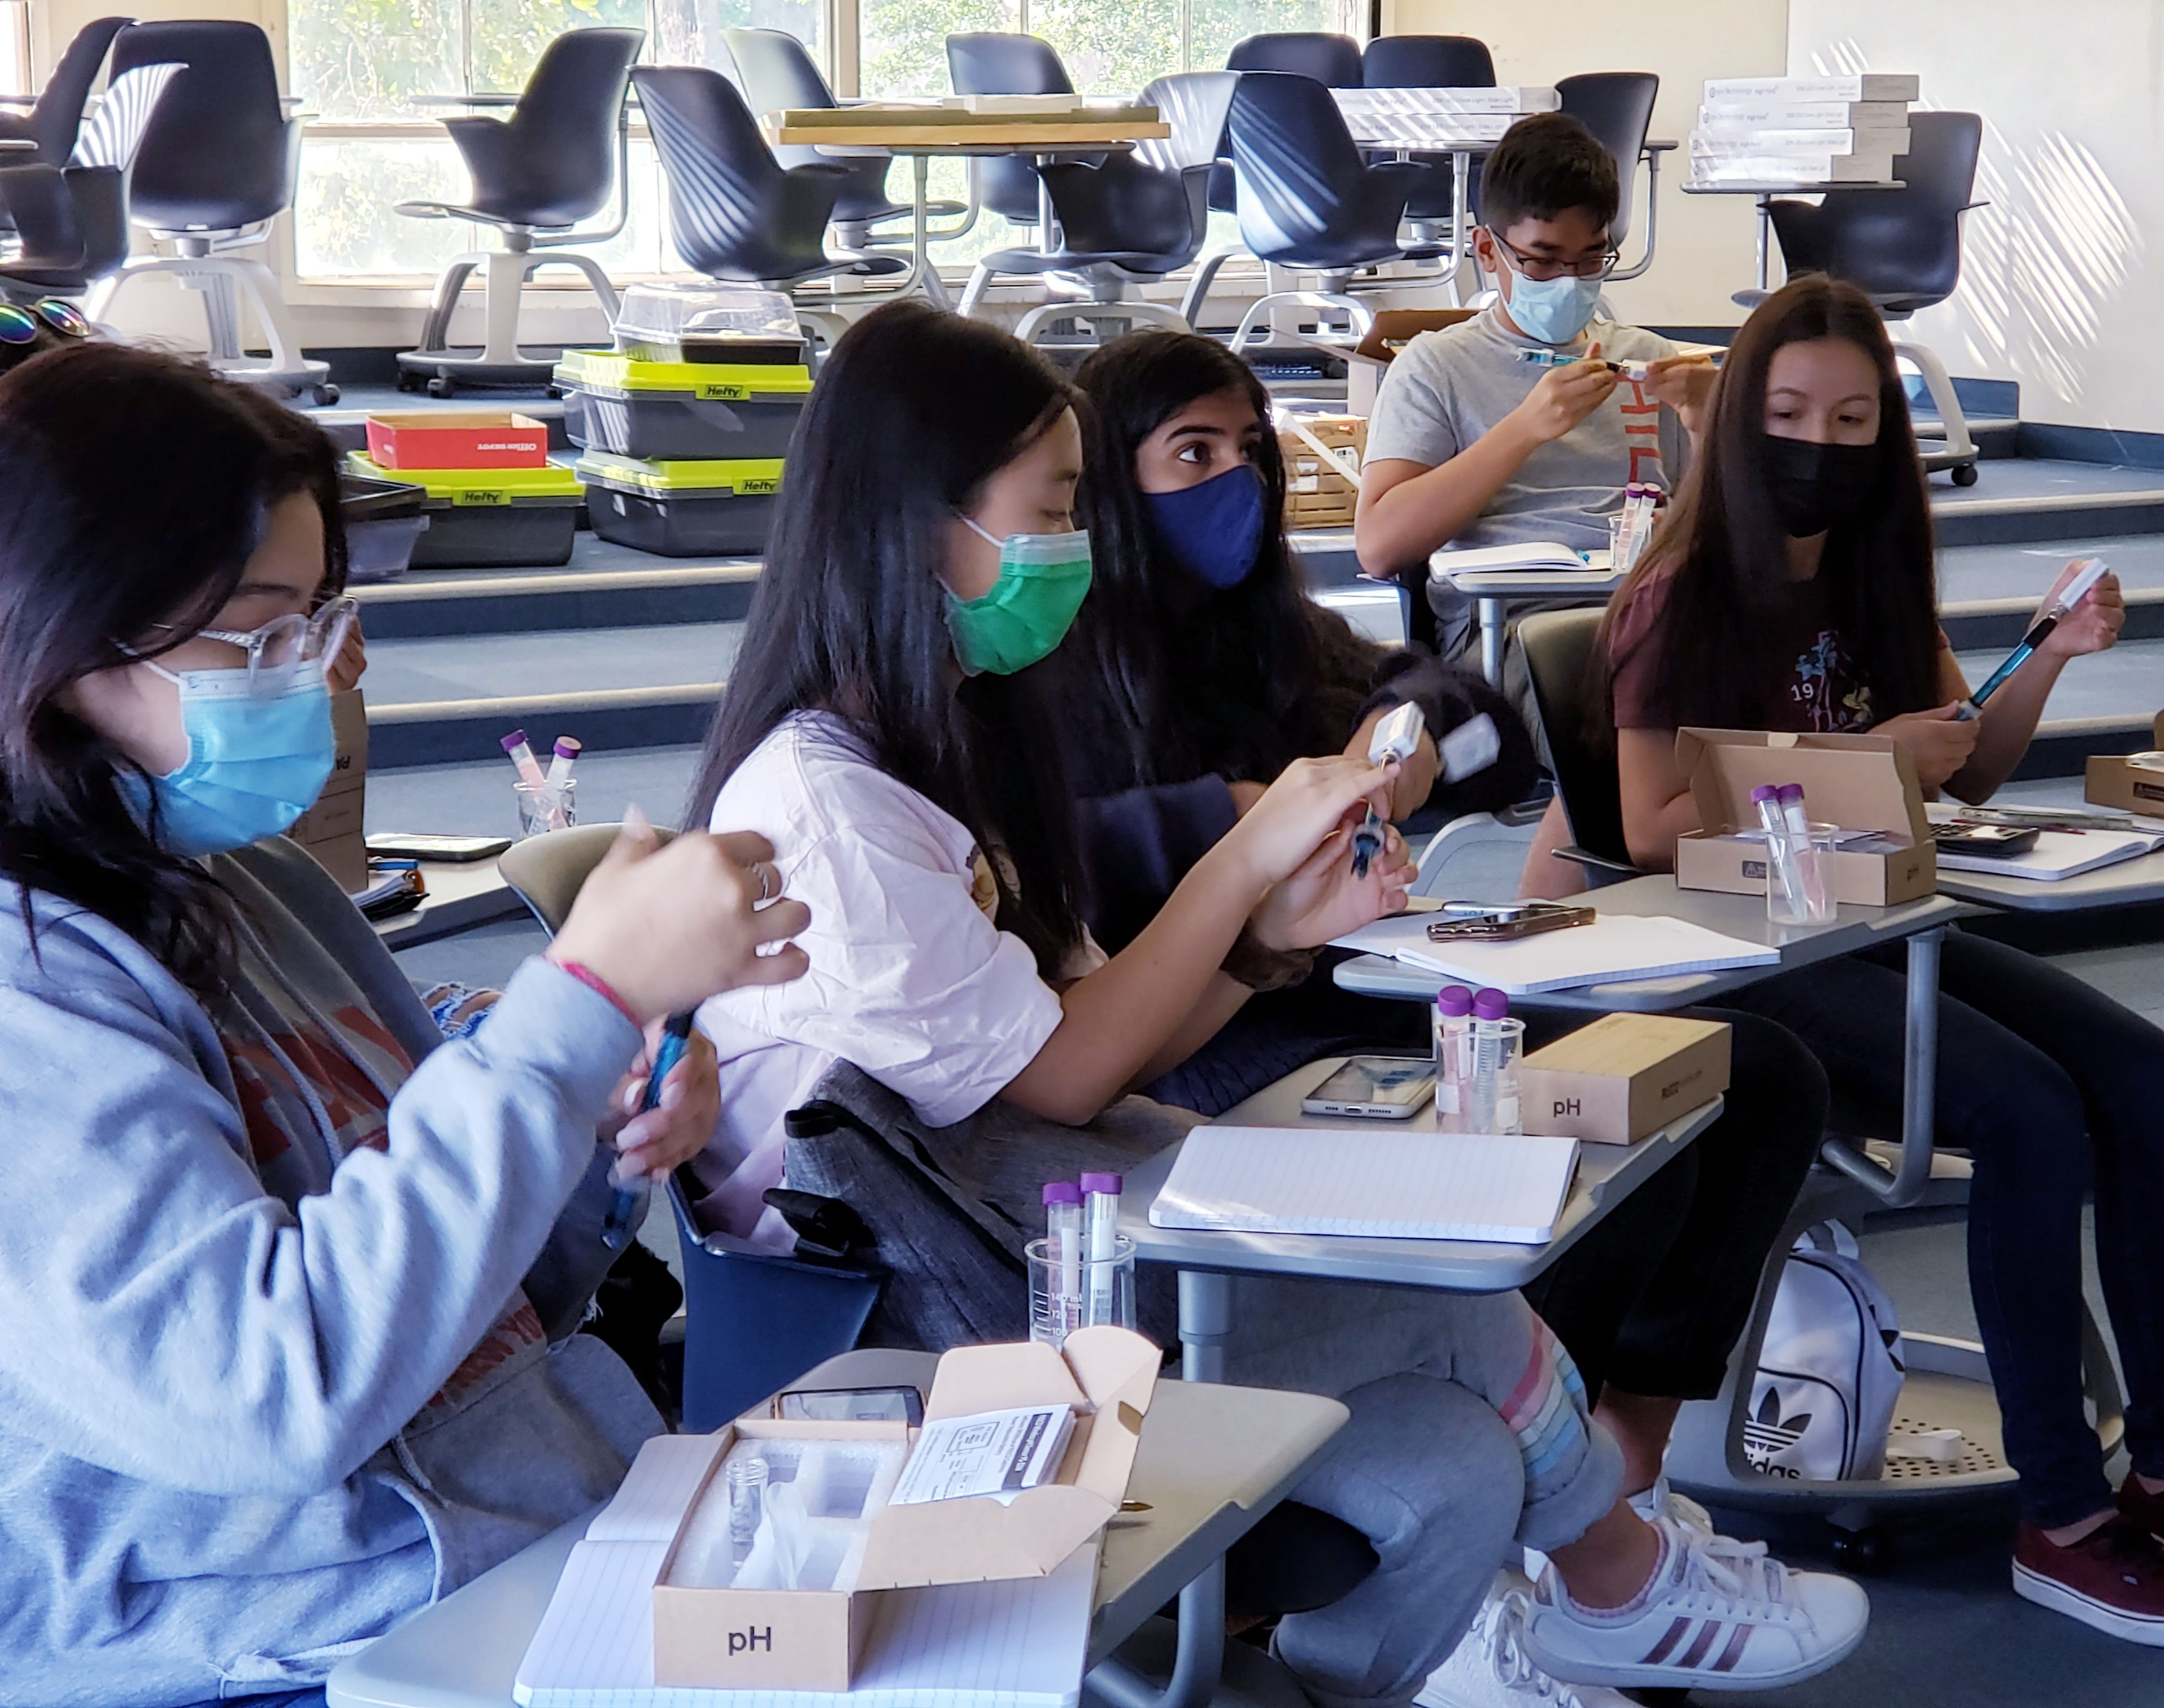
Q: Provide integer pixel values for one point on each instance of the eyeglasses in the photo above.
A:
(1540, 269)
(277, 650)
(19, 325)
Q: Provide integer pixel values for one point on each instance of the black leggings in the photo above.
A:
(2051, 1087)
(1655, 1297)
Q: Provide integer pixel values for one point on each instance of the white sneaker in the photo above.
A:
(1490, 1669)
(1661, 1501)
(1719, 1616)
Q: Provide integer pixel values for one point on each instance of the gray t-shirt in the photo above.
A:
(1448, 388)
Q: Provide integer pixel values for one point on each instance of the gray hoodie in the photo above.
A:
(264, 1389)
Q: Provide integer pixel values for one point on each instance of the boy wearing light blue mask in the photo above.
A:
(1471, 444)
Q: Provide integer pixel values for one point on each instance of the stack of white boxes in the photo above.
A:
(1784, 131)
(1417, 117)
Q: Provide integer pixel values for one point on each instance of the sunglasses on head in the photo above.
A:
(19, 325)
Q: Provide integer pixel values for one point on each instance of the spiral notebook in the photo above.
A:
(1370, 1184)
(1615, 948)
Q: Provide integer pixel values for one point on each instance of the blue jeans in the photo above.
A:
(2051, 1088)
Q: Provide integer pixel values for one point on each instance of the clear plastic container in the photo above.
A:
(1109, 1282)
(1491, 1086)
(1798, 870)
(542, 809)
(695, 321)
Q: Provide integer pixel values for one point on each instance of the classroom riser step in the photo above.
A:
(1980, 522)
(1988, 625)
(475, 798)
(445, 733)
(412, 610)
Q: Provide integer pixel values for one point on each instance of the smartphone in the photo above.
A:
(852, 1406)
(1994, 841)
(1374, 1088)
(419, 845)
(1471, 923)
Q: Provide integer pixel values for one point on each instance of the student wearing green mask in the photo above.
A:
(886, 729)
(1472, 444)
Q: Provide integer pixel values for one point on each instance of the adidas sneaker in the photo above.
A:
(1720, 1615)
(1490, 1669)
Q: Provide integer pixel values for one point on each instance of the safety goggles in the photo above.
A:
(19, 325)
(277, 652)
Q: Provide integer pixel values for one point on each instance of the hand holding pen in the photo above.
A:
(674, 1098)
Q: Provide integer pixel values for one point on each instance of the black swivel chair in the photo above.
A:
(1559, 659)
(1431, 62)
(1330, 59)
(1903, 249)
(1127, 219)
(776, 75)
(1307, 201)
(53, 120)
(997, 62)
(217, 165)
(1617, 107)
(536, 175)
(72, 219)
(735, 212)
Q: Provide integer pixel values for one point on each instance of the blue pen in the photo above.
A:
(2077, 590)
(617, 1230)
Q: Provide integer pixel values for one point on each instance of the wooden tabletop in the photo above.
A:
(1016, 133)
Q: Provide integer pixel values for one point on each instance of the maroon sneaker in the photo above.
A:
(2143, 1508)
(2112, 1579)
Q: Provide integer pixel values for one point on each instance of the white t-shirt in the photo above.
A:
(909, 980)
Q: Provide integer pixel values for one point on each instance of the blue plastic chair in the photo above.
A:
(1431, 62)
(999, 62)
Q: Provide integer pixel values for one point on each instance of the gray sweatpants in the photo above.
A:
(1469, 1430)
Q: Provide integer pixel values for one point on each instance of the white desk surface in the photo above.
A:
(462, 894)
(1533, 583)
(1791, 189)
(2126, 884)
(1212, 1461)
(1736, 916)
(1607, 1173)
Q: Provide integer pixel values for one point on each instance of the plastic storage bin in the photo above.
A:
(681, 411)
(384, 520)
(492, 518)
(682, 509)
(701, 322)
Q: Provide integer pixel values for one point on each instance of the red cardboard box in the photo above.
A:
(464, 438)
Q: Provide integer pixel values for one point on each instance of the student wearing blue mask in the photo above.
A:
(288, 1284)
(1471, 444)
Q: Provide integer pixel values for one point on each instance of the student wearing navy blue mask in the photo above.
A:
(289, 1284)
(1196, 665)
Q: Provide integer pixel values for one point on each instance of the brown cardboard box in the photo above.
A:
(1624, 1076)
(1393, 330)
(332, 830)
(809, 1639)
(2112, 782)
(1317, 494)
(1860, 782)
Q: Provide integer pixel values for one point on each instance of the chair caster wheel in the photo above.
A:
(1862, 1552)
(441, 387)
(1964, 475)
(324, 395)
(408, 382)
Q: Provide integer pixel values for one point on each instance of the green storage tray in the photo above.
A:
(491, 518)
(682, 509)
(680, 410)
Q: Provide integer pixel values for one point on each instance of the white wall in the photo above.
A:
(1706, 242)
(2061, 282)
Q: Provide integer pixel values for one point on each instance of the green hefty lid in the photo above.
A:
(746, 477)
(726, 382)
(478, 487)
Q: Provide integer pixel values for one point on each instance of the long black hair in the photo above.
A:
(133, 488)
(913, 412)
(1723, 554)
(1188, 679)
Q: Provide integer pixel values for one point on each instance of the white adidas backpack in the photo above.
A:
(1829, 1371)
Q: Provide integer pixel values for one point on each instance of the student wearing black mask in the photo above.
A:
(1792, 588)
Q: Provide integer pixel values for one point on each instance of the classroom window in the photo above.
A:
(362, 70)
(15, 48)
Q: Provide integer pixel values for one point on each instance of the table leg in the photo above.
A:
(920, 269)
(1765, 227)
(1920, 1067)
(1045, 243)
(1198, 1663)
(1493, 612)
(1460, 163)
(1205, 1323)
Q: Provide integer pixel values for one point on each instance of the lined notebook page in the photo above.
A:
(1017, 1644)
(1616, 946)
(650, 1503)
(1362, 1182)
